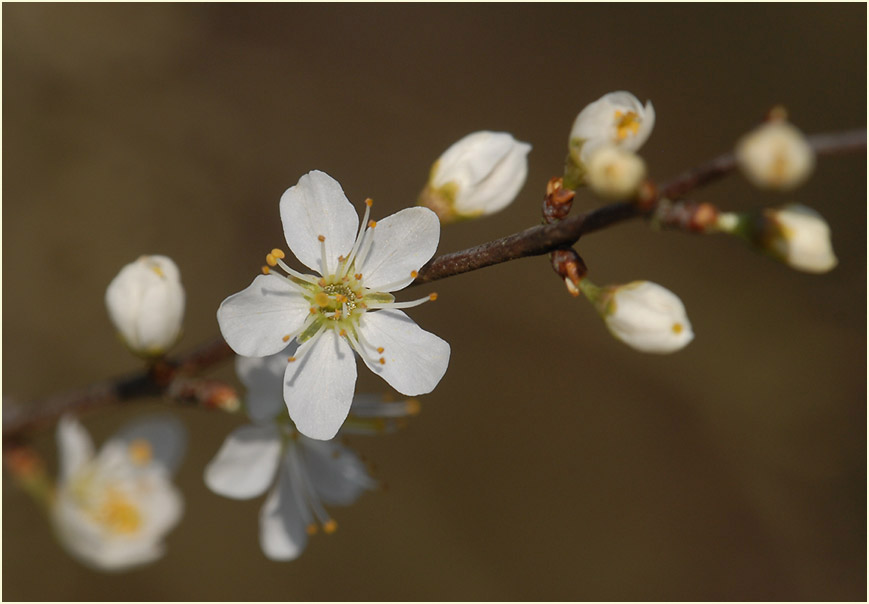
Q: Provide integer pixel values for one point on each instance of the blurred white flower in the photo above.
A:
(776, 155)
(330, 316)
(643, 315)
(794, 234)
(146, 304)
(479, 175)
(112, 510)
(307, 473)
(615, 173)
(617, 118)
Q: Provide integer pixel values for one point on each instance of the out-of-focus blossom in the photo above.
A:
(146, 304)
(306, 474)
(479, 175)
(112, 510)
(776, 155)
(615, 173)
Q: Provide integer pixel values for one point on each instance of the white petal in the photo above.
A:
(255, 320)
(263, 377)
(402, 243)
(164, 433)
(336, 472)
(317, 206)
(246, 463)
(318, 387)
(416, 360)
(282, 534)
(74, 446)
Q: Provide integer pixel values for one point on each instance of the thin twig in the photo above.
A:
(173, 378)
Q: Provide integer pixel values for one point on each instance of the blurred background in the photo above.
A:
(552, 462)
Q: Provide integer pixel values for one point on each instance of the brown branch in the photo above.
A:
(545, 238)
(174, 378)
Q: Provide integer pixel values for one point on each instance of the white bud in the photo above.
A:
(775, 155)
(615, 173)
(617, 118)
(146, 304)
(480, 174)
(800, 237)
(643, 315)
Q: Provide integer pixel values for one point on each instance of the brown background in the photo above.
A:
(552, 462)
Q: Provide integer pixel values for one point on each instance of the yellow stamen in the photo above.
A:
(382, 361)
(677, 328)
(311, 529)
(119, 514)
(626, 123)
(413, 406)
(414, 274)
(291, 359)
(371, 224)
(286, 338)
(321, 299)
(380, 350)
(330, 527)
(432, 296)
(265, 270)
(277, 253)
(271, 260)
(369, 202)
(358, 276)
(321, 238)
(140, 451)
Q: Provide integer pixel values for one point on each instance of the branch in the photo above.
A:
(174, 378)
(546, 238)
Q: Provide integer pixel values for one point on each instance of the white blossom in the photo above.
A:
(775, 155)
(615, 173)
(617, 118)
(112, 510)
(305, 474)
(479, 175)
(349, 308)
(146, 304)
(643, 315)
(800, 237)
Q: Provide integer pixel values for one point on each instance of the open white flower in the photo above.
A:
(617, 118)
(331, 315)
(310, 473)
(615, 173)
(146, 304)
(479, 175)
(643, 315)
(112, 510)
(775, 155)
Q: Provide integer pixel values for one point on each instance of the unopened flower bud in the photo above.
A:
(615, 173)
(794, 234)
(643, 315)
(617, 118)
(146, 304)
(480, 174)
(775, 155)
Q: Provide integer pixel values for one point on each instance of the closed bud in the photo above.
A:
(643, 315)
(615, 173)
(146, 304)
(776, 156)
(480, 174)
(618, 119)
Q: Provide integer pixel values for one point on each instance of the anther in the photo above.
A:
(321, 299)
(358, 276)
(433, 296)
(414, 274)
(330, 527)
(286, 338)
(321, 282)
(312, 310)
(277, 253)
(265, 270)
(380, 350)
(413, 406)
(271, 260)
(321, 238)
(311, 529)
(369, 202)
(382, 361)
(291, 359)
(372, 224)
(343, 333)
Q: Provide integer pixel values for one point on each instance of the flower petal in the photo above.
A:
(401, 244)
(318, 388)
(317, 206)
(263, 377)
(246, 463)
(74, 445)
(336, 472)
(282, 534)
(415, 360)
(255, 320)
(165, 434)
